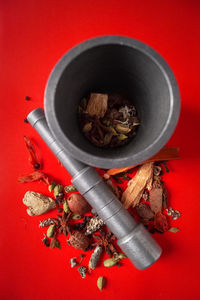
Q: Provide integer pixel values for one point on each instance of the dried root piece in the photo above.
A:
(134, 191)
(37, 203)
(97, 105)
(156, 198)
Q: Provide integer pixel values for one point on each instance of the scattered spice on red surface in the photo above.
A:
(36, 176)
(33, 159)
(27, 98)
(145, 195)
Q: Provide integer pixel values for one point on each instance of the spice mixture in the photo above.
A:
(108, 120)
(143, 193)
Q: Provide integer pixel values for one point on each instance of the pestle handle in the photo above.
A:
(133, 238)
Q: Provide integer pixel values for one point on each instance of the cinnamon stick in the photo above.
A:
(166, 153)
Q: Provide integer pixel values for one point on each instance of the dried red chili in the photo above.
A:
(32, 154)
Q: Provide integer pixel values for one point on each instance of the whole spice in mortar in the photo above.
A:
(108, 120)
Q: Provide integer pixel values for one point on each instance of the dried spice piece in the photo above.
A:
(79, 240)
(50, 231)
(77, 204)
(174, 229)
(165, 198)
(48, 222)
(63, 226)
(120, 256)
(110, 262)
(37, 203)
(51, 186)
(46, 241)
(57, 190)
(94, 259)
(101, 282)
(105, 240)
(27, 98)
(70, 188)
(76, 217)
(33, 159)
(66, 207)
(93, 225)
(144, 212)
(156, 198)
(113, 188)
(161, 223)
(35, 176)
(136, 186)
(97, 105)
(174, 213)
(108, 120)
(82, 270)
(165, 154)
(74, 262)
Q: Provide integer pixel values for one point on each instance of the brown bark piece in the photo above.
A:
(165, 154)
(97, 105)
(155, 198)
(144, 211)
(136, 186)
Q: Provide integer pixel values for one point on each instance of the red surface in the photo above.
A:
(34, 35)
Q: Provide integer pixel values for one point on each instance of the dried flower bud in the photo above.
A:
(101, 282)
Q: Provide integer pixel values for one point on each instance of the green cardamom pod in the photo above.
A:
(121, 256)
(87, 127)
(50, 231)
(76, 217)
(58, 189)
(122, 137)
(122, 128)
(110, 262)
(57, 244)
(101, 282)
(66, 207)
(51, 186)
(70, 188)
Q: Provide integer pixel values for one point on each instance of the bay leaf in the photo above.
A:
(174, 229)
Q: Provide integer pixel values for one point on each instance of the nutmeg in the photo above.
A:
(79, 240)
(77, 204)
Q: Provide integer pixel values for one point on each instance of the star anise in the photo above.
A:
(63, 226)
(105, 240)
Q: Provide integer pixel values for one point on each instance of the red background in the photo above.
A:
(33, 36)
